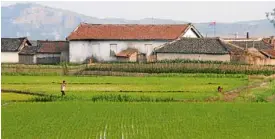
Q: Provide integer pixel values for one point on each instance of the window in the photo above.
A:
(113, 49)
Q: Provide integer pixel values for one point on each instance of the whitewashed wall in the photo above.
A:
(203, 57)
(81, 50)
(9, 57)
(190, 34)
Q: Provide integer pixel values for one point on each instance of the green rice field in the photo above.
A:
(138, 120)
(124, 108)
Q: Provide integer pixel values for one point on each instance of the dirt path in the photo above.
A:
(233, 94)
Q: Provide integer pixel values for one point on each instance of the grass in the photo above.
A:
(14, 97)
(186, 86)
(138, 120)
(135, 107)
(263, 94)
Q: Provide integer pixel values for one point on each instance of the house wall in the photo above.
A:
(203, 57)
(48, 58)
(9, 57)
(190, 34)
(64, 57)
(81, 51)
(27, 59)
(271, 62)
(100, 50)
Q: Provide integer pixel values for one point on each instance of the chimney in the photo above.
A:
(247, 35)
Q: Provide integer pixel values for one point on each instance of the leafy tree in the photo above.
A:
(271, 17)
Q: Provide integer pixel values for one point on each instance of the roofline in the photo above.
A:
(52, 41)
(266, 54)
(48, 52)
(195, 53)
(67, 38)
(16, 51)
(15, 38)
(136, 24)
(121, 39)
(190, 25)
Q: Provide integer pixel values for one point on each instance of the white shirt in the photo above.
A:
(63, 87)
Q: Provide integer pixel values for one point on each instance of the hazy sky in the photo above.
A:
(179, 10)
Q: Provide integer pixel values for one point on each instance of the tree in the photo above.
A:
(271, 17)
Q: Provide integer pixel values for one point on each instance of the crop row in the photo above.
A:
(184, 68)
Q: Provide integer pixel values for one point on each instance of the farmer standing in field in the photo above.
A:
(63, 85)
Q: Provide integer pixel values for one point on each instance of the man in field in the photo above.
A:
(219, 89)
(63, 85)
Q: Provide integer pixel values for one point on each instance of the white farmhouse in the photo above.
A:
(10, 47)
(103, 42)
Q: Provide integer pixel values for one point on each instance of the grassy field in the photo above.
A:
(77, 116)
(186, 86)
(138, 120)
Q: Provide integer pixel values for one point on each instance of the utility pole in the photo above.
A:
(215, 30)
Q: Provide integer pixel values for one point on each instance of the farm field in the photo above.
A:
(189, 86)
(138, 120)
(91, 107)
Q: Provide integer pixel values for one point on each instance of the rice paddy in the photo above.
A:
(133, 115)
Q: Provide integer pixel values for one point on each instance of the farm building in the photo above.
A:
(28, 54)
(102, 42)
(270, 40)
(45, 52)
(130, 54)
(253, 51)
(10, 47)
(52, 52)
(204, 49)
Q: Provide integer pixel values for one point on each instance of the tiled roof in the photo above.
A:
(52, 46)
(127, 53)
(233, 50)
(195, 46)
(127, 32)
(269, 52)
(260, 45)
(11, 44)
(29, 50)
(33, 42)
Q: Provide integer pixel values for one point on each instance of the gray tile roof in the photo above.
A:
(195, 46)
(11, 44)
(33, 42)
(260, 45)
(29, 50)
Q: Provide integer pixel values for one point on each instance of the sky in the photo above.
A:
(196, 11)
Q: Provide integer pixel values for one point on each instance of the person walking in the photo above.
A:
(63, 86)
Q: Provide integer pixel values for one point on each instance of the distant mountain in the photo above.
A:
(41, 22)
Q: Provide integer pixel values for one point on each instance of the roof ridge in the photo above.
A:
(14, 38)
(138, 24)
